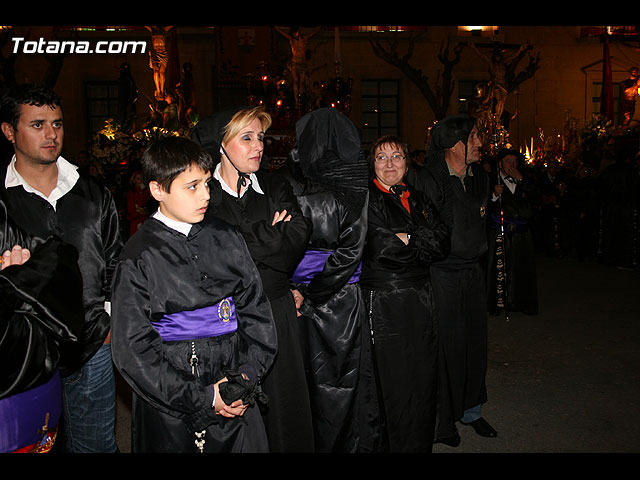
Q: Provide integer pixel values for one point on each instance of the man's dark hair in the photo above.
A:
(168, 157)
(26, 94)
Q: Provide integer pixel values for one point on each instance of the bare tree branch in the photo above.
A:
(438, 97)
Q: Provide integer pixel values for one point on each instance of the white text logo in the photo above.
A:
(72, 46)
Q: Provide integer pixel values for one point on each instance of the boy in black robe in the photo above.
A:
(191, 323)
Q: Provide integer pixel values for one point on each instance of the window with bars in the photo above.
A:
(596, 92)
(102, 103)
(229, 94)
(380, 109)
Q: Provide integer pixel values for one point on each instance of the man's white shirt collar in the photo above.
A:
(254, 183)
(67, 178)
(509, 182)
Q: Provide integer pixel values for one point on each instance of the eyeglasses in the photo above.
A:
(395, 158)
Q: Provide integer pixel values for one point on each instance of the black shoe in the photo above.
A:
(482, 428)
(452, 441)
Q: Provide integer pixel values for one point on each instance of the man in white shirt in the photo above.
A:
(47, 196)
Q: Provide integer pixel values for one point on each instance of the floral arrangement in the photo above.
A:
(149, 135)
(598, 130)
(112, 146)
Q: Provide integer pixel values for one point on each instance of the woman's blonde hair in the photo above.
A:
(244, 117)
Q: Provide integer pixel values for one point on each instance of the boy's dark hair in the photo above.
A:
(26, 94)
(165, 159)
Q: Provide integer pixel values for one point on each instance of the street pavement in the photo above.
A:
(563, 381)
(566, 380)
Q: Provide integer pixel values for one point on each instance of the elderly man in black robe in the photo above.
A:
(459, 187)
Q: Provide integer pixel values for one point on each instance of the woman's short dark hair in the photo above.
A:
(165, 159)
(391, 140)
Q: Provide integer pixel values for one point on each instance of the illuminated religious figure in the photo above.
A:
(479, 104)
(629, 92)
(498, 64)
(159, 58)
(298, 64)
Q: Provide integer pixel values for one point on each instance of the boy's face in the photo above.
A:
(188, 198)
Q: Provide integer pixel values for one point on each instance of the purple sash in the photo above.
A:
(313, 263)
(517, 225)
(204, 322)
(23, 415)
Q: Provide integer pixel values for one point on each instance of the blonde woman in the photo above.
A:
(263, 208)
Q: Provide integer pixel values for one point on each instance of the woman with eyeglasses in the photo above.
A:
(405, 234)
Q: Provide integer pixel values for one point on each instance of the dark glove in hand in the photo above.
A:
(236, 387)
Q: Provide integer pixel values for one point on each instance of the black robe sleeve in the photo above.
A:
(346, 254)
(280, 246)
(430, 237)
(85, 217)
(41, 314)
(111, 240)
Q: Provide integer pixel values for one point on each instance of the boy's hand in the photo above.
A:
(229, 411)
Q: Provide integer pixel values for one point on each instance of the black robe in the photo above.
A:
(459, 287)
(397, 289)
(41, 314)
(619, 188)
(511, 279)
(86, 218)
(163, 272)
(276, 251)
(585, 212)
(333, 313)
(553, 229)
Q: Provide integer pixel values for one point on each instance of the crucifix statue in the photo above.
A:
(498, 66)
(159, 58)
(298, 65)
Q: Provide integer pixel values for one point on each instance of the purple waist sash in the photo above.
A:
(211, 321)
(23, 416)
(313, 263)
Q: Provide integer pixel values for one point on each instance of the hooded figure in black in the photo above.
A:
(263, 208)
(405, 235)
(459, 187)
(329, 177)
(511, 259)
(41, 314)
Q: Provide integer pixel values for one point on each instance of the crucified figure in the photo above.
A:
(159, 58)
(629, 93)
(498, 65)
(298, 64)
